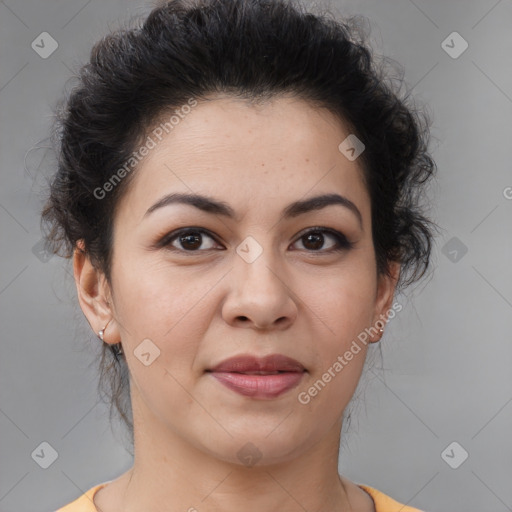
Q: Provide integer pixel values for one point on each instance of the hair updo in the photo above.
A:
(249, 49)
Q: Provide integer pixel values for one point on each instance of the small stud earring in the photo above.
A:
(381, 330)
(117, 348)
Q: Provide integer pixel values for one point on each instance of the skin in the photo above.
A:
(201, 308)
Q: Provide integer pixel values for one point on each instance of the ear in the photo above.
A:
(385, 292)
(94, 295)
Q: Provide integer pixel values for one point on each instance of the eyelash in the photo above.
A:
(342, 244)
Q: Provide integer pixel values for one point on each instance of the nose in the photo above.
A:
(260, 295)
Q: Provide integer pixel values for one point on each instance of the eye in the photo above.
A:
(190, 239)
(314, 239)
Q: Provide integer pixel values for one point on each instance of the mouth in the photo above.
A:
(260, 378)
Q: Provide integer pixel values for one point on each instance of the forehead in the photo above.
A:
(248, 155)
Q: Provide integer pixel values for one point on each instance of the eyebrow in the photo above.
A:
(210, 205)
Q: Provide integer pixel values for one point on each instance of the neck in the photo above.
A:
(170, 474)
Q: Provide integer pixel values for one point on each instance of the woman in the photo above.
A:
(238, 188)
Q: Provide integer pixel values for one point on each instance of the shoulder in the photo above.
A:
(384, 503)
(85, 502)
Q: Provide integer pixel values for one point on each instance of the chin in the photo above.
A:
(255, 447)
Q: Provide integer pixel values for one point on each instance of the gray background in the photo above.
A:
(447, 355)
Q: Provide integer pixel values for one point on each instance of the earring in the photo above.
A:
(101, 332)
(117, 348)
(381, 330)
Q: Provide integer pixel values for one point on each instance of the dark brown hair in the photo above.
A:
(251, 49)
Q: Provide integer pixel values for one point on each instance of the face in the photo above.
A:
(192, 287)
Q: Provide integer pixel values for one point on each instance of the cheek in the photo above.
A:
(174, 315)
(156, 302)
(344, 303)
(157, 306)
(344, 308)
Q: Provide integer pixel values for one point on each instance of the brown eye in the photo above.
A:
(192, 240)
(314, 240)
(187, 240)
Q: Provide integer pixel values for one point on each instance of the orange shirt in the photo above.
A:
(383, 503)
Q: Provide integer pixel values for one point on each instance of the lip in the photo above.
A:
(264, 378)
